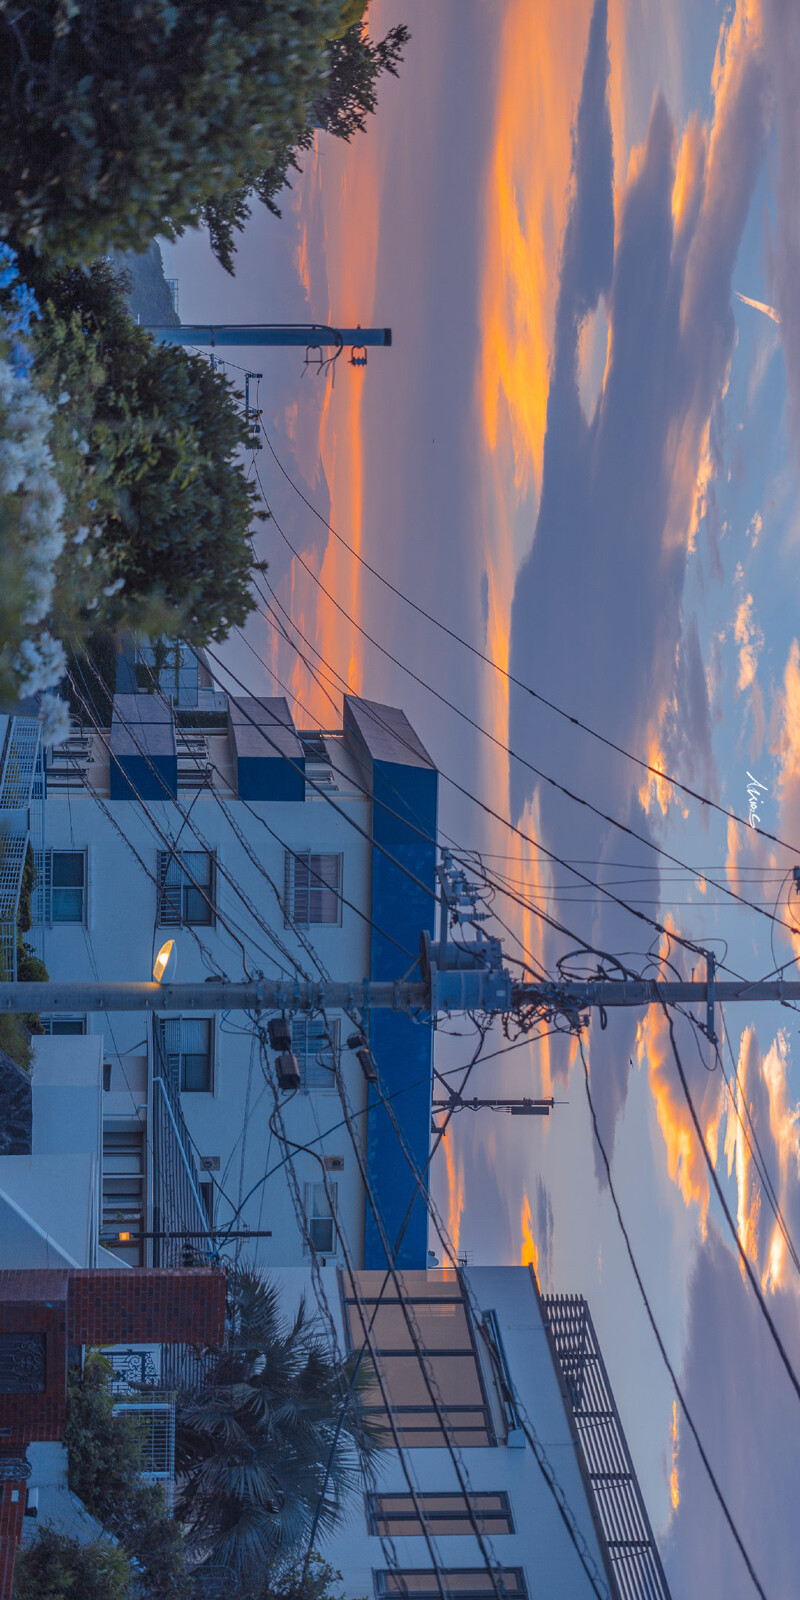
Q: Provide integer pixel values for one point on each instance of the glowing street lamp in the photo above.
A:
(166, 961)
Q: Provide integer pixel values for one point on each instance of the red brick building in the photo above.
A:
(43, 1314)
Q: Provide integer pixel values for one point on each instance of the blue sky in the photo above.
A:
(616, 517)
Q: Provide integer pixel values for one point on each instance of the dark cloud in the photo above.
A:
(746, 1415)
(688, 745)
(597, 614)
(782, 44)
(544, 1231)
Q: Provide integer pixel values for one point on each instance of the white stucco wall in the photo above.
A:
(49, 1200)
(540, 1543)
(120, 939)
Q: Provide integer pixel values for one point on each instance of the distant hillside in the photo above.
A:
(149, 299)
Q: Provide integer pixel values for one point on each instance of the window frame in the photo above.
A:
(449, 1575)
(302, 1054)
(177, 1076)
(45, 888)
(404, 1522)
(166, 918)
(316, 883)
(470, 1424)
(310, 1247)
(48, 1018)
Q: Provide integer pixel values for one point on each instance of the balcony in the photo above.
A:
(21, 814)
(603, 1451)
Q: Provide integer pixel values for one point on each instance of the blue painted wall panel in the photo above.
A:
(403, 1049)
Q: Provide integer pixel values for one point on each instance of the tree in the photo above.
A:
(145, 440)
(311, 1580)
(275, 1431)
(350, 94)
(105, 1459)
(56, 1567)
(120, 120)
(355, 65)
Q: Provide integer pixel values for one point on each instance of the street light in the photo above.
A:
(166, 961)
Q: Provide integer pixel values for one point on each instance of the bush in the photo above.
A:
(121, 121)
(157, 504)
(56, 1567)
(105, 1462)
(31, 501)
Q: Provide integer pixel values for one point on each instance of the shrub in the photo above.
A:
(105, 1461)
(56, 1567)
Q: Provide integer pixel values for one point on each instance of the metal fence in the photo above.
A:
(179, 1222)
(18, 765)
(607, 1463)
(176, 1198)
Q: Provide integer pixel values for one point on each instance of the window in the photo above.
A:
(207, 1197)
(392, 1515)
(123, 1192)
(61, 890)
(449, 1377)
(186, 888)
(313, 888)
(457, 1583)
(186, 1042)
(63, 1025)
(316, 1048)
(321, 1220)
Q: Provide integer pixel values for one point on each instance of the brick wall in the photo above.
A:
(11, 1514)
(36, 1303)
(147, 1306)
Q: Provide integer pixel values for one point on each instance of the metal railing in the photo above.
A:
(177, 1204)
(36, 937)
(21, 752)
(606, 1460)
(19, 763)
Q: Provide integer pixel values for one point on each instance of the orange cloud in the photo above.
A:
(687, 190)
(784, 1123)
(674, 1488)
(685, 1161)
(455, 1198)
(530, 1255)
(341, 186)
(539, 66)
(738, 1150)
(750, 640)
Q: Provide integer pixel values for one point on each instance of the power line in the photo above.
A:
(753, 1144)
(743, 1256)
(507, 749)
(660, 1342)
(646, 766)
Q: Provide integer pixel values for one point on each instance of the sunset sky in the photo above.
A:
(581, 222)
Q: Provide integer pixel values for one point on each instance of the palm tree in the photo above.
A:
(274, 1432)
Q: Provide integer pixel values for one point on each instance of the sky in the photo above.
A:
(581, 453)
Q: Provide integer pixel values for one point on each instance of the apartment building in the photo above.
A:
(513, 1451)
(256, 845)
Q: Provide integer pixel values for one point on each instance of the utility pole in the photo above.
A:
(311, 336)
(441, 994)
(455, 977)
